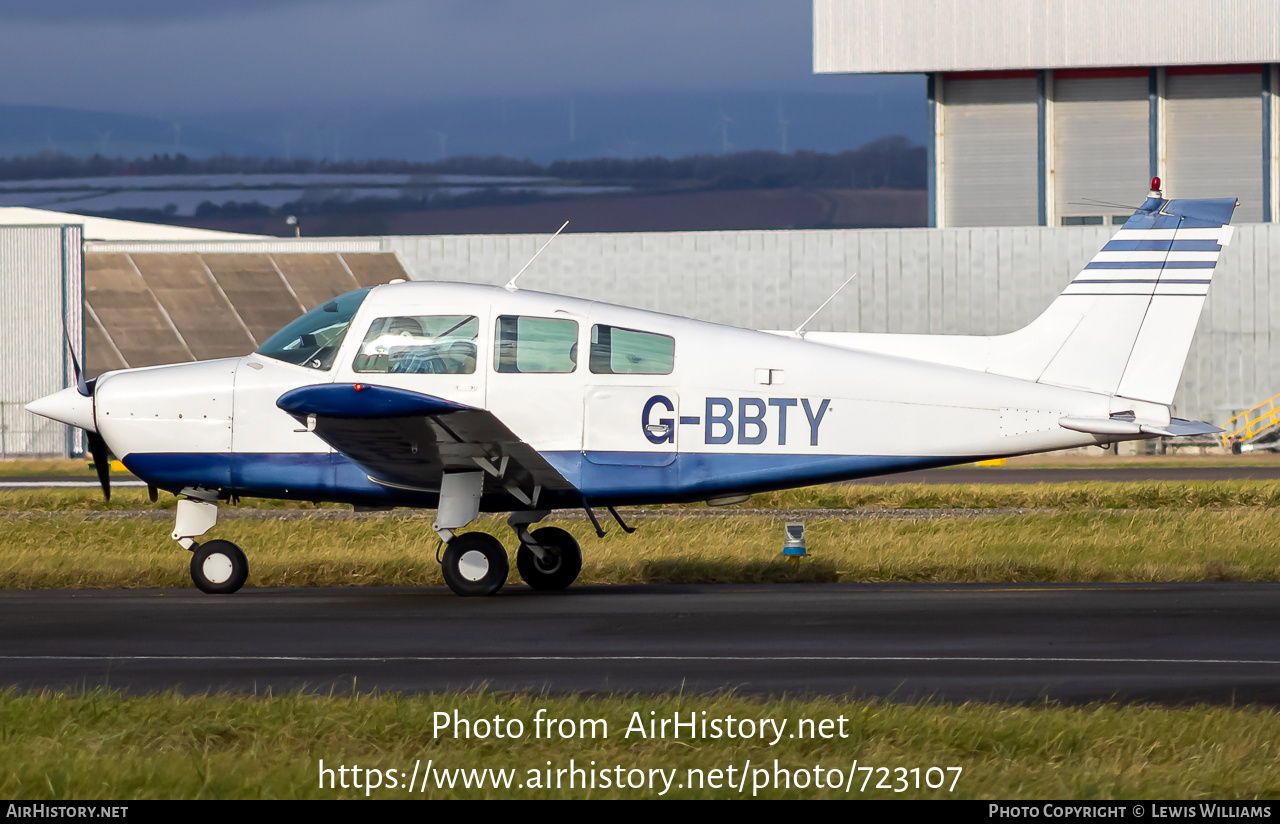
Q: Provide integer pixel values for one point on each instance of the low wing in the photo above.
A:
(407, 440)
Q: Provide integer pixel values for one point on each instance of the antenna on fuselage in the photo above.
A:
(800, 329)
(511, 284)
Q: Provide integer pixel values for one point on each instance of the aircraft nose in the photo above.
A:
(67, 406)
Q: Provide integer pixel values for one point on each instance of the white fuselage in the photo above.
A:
(735, 403)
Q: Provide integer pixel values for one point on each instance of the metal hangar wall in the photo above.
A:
(1044, 113)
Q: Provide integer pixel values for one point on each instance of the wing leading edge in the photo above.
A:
(407, 440)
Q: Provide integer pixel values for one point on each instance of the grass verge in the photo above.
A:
(74, 550)
(107, 746)
(1072, 495)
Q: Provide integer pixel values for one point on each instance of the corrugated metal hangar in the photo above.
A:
(1056, 112)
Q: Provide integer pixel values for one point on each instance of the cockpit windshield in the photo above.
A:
(313, 340)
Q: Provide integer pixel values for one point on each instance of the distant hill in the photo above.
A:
(538, 128)
(29, 130)
(666, 212)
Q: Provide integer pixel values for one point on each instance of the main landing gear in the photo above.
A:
(475, 563)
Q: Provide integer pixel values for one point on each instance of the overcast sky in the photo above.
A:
(166, 57)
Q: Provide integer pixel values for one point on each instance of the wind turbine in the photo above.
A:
(783, 122)
(725, 120)
(443, 137)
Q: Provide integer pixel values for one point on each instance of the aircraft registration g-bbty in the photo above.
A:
(466, 398)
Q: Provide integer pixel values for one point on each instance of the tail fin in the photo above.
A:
(1124, 325)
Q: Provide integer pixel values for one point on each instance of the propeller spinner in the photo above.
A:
(74, 406)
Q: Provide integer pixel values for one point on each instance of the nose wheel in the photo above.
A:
(560, 564)
(218, 567)
(475, 564)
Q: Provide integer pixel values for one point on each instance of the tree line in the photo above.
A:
(888, 163)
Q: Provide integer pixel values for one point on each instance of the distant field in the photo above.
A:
(1066, 496)
(692, 211)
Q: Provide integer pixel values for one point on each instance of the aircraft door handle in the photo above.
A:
(658, 430)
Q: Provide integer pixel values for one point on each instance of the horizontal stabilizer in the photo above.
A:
(1127, 425)
(1180, 428)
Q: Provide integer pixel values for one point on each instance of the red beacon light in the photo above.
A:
(1155, 188)
(359, 387)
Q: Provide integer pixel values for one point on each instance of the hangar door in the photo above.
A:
(1213, 138)
(989, 138)
(1101, 144)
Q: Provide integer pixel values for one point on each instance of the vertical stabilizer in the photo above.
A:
(1124, 325)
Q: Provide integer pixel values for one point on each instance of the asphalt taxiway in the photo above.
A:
(1166, 643)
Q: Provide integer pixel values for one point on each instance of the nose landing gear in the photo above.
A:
(218, 567)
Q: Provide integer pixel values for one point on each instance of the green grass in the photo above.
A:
(30, 467)
(106, 746)
(1071, 495)
(103, 745)
(75, 550)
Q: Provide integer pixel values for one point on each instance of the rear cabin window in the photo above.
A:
(526, 344)
(420, 345)
(618, 351)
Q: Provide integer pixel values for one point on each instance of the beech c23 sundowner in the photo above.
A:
(466, 398)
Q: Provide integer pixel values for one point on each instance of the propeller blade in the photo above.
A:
(101, 462)
(81, 385)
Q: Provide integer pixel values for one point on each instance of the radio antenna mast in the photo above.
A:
(511, 284)
(800, 329)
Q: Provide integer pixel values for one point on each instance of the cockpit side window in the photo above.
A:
(313, 340)
(618, 351)
(422, 345)
(525, 344)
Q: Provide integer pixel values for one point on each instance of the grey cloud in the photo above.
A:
(153, 57)
(64, 12)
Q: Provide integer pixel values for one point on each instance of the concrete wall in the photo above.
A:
(942, 281)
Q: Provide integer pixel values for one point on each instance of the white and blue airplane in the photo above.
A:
(466, 398)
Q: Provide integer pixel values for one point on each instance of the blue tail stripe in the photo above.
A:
(1154, 266)
(1162, 246)
(1136, 280)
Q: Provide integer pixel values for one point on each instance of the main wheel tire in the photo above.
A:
(219, 567)
(562, 565)
(475, 564)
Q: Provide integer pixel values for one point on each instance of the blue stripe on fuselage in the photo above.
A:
(698, 476)
(690, 477)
